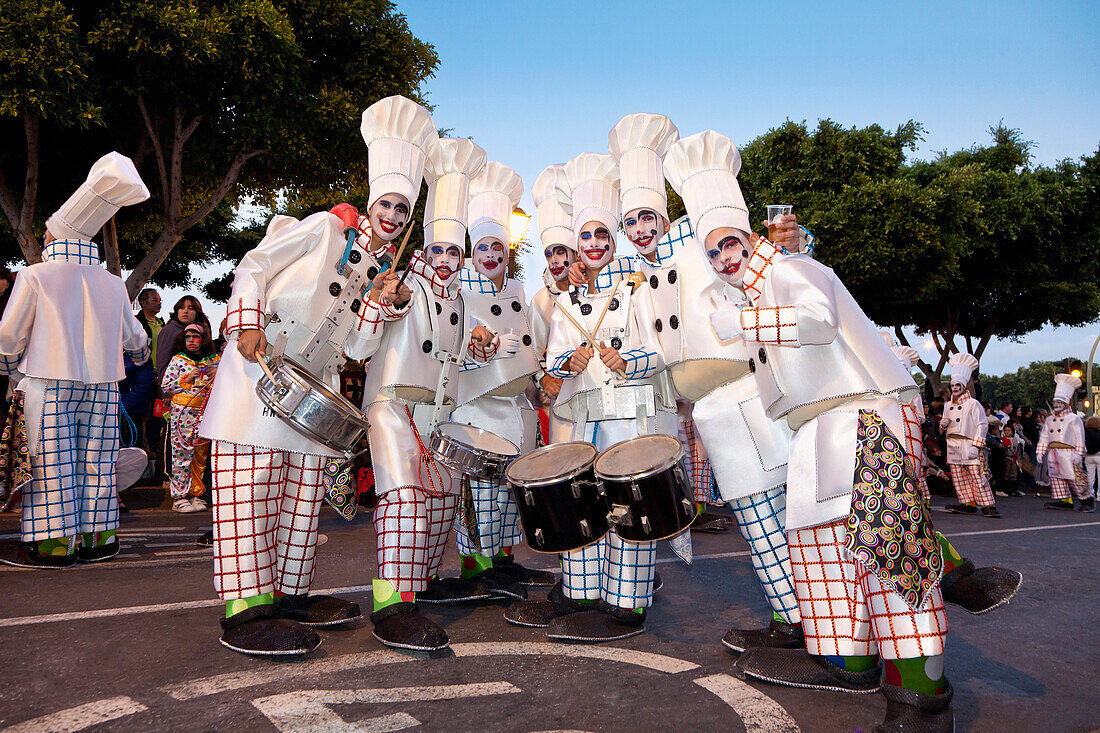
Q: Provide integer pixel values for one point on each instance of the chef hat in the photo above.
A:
(494, 194)
(907, 355)
(962, 368)
(638, 144)
(450, 166)
(555, 226)
(113, 182)
(589, 191)
(703, 169)
(398, 133)
(278, 223)
(1064, 387)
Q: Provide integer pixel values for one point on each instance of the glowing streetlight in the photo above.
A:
(517, 227)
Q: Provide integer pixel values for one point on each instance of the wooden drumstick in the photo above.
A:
(263, 365)
(635, 279)
(404, 241)
(583, 330)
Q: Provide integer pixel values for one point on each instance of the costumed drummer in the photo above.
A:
(304, 291)
(852, 506)
(64, 331)
(411, 386)
(966, 426)
(1062, 443)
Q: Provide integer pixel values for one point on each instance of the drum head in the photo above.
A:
(642, 456)
(473, 437)
(551, 464)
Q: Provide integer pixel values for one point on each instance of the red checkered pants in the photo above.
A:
(702, 479)
(846, 611)
(412, 529)
(266, 504)
(971, 485)
(914, 447)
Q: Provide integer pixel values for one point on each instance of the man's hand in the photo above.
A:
(578, 274)
(578, 362)
(482, 335)
(784, 232)
(510, 344)
(726, 322)
(251, 341)
(611, 359)
(385, 289)
(551, 386)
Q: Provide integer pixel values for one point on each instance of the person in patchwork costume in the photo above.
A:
(1062, 443)
(966, 426)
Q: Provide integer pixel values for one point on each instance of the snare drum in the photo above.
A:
(472, 451)
(647, 487)
(561, 506)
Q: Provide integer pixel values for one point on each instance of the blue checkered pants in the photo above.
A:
(73, 488)
(497, 519)
(760, 518)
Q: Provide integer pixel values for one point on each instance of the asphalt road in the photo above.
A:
(132, 645)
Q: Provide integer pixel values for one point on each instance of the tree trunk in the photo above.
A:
(168, 239)
(21, 216)
(110, 247)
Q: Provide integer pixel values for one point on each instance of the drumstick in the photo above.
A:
(606, 303)
(263, 365)
(584, 332)
(404, 241)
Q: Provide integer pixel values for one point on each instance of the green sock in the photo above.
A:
(920, 674)
(235, 606)
(700, 508)
(504, 552)
(386, 595)
(951, 556)
(57, 547)
(474, 564)
(96, 539)
(854, 664)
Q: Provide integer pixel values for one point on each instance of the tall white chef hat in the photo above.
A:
(450, 166)
(638, 144)
(703, 169)
(962, 368)
(555, 225)
(1064, 387)
(907, 355)
(398, 133)
(494, 194)
(113, 182)
(589, 191)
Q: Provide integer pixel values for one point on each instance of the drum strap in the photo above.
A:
(430, 473)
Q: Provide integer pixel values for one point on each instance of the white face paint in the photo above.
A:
(490, 258)
(558, 260)
(1059, 407)
(644, 228)
(446, 260)
(957, 389)
(388, 216)
(728, 251)
(597, 245)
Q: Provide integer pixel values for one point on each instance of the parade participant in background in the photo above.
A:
(965, 423)
(491, 396)
(820, 365)
(186, 311)
(186, 384)
(71, 384)
(302, 289)
(411, 386)
(1062, 442)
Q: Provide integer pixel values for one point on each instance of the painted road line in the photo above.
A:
(175, 553)
(1023, 529)
(759, 713)
(128, 565)
(80, 717)
(656, 662)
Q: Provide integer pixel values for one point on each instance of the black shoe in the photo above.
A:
(206, 539)
(402, 627)
(501, 585)
(539, 614)
(99, 553)
(797, 668)
(979, 590)
(454, 590)
(604, 623)
(25, 555)
(657, 582)
(508, 567)
(912, 712)
(778, 635)
(319, 610)
(1088, 506)
(256, 631)
(990, 512)
(707, 522)
(1059, 504)
(961, 508)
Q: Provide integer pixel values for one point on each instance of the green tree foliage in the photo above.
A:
(1030, 386)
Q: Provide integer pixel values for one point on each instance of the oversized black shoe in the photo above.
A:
(508, 567)
(979, 590)
(1059, 505)
(990, 512)
(256, 631)
(319, 610)
(912, 712)
(707, 522)
(797, 668)
(25, 555)
(605, 623)
(657, 582)
(501, 585)
(778, 635)
(961, 508)
(99, 553)
(454, 590)
(539, 614)
(1088, 506)
(206, 539)
(402, 627)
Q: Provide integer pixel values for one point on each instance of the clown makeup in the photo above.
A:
(644, 227)
(388, 216)
(192, 341)
(490, 256)
(596, 245)
(446, 260)
(1059, 407)
(957, 388)
(728, 251)
(558, 259)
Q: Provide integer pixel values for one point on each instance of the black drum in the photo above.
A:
(561, 505)
(648, 488)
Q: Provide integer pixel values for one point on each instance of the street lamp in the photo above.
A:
(517, 227)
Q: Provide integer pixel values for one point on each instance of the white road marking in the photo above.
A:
(758, 712)
(1022, 529)
(656, 662)
(308, 710)
(80, 717)
(176, 553)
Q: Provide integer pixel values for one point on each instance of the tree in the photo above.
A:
(1030, 386)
